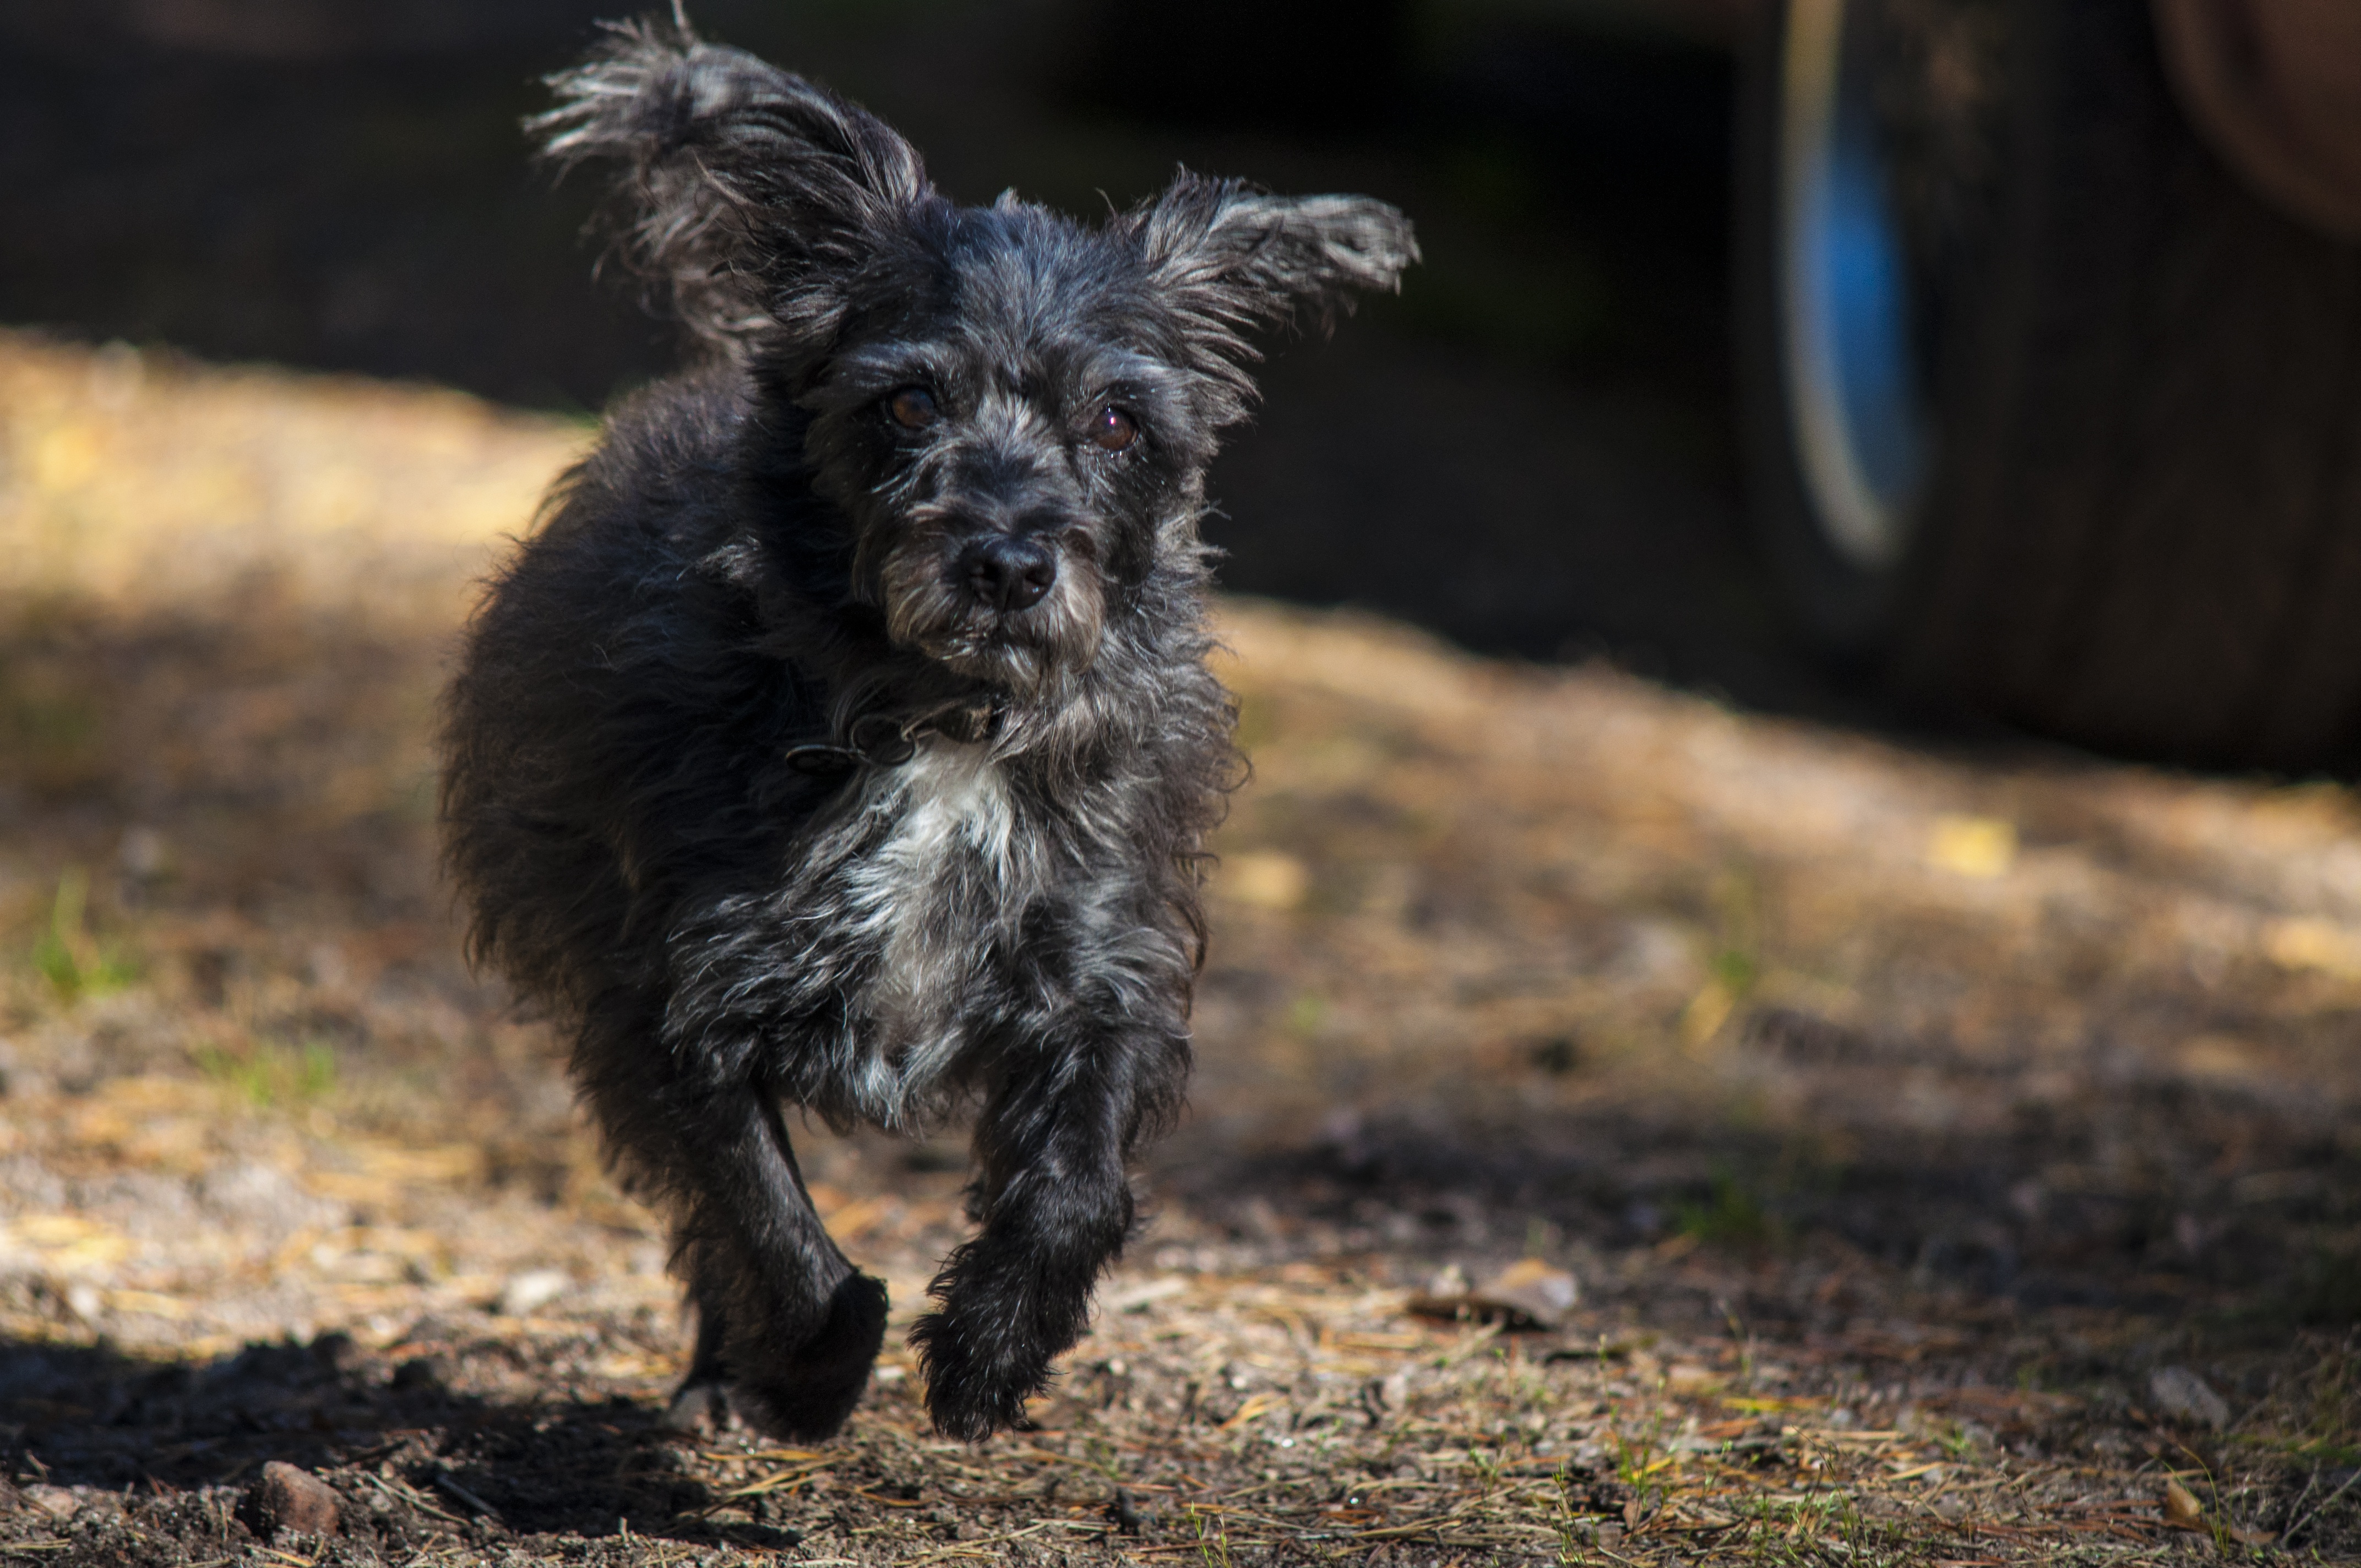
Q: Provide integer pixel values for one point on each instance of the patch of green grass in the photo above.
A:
(1212, 1547)
(74, 962)
(1807, 1530)
(2333, 1403)
(1639, 1461)
(269, 1074)
(1737, 970)
(1736, 900)
(1733, 1215)
(1483, 1469)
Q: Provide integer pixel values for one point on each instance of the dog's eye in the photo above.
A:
(1113, 430)
(912, 408)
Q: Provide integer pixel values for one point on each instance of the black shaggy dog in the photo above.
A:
(842, 739)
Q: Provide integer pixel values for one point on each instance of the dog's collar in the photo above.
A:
(888, 740)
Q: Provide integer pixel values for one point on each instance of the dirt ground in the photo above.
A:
(1953, 1160)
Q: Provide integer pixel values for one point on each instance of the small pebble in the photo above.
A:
(2181, 1395)
(289, 1498)
(57, 1502)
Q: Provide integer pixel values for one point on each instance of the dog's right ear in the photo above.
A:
(1232, 257)
(754, 195)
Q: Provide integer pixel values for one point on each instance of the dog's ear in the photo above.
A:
(1233, 258)
(753, 196)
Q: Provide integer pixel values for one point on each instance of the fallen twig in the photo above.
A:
(448, 1482)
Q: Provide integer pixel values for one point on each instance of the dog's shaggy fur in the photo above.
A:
(842, 739)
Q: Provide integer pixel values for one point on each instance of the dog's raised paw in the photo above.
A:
(969, 1397)
(972, 1414)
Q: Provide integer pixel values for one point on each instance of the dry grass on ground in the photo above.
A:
(1957, 1156)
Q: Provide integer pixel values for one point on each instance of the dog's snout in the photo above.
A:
(1008, 574)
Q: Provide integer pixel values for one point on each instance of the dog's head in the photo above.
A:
(1014, 411)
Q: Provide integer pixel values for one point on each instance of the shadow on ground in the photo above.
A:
(124, 1445)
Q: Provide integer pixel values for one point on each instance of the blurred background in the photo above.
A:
(1930, 362)
(1977, 367)
(1531, 450)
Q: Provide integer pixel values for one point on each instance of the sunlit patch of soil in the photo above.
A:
(1956, 1155)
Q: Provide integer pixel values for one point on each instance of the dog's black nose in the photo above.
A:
(1008, 574)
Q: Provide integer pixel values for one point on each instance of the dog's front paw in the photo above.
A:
(806, 1391)
(972, 1392)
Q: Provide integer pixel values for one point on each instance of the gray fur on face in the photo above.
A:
(843, 739)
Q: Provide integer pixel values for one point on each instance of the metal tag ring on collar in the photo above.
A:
(883, 740)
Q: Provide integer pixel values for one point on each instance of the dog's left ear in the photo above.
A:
(1232, 259)
(754, 199)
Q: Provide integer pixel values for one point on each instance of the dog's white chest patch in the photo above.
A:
(953, 798)
(932, 893)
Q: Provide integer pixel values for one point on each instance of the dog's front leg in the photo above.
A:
(785, 1323)
(786, 1328)
(1055, 1206)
